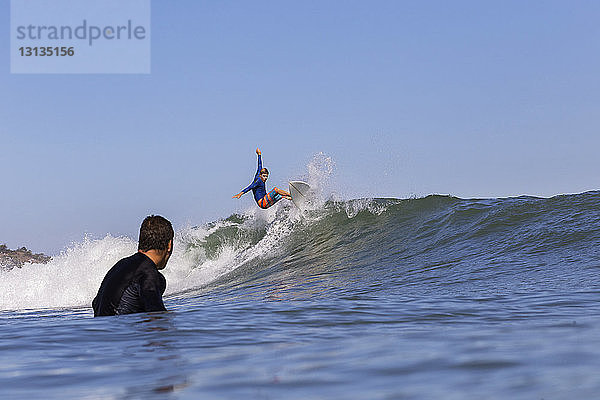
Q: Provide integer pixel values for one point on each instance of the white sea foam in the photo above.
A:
(353, 207)
(69, 279)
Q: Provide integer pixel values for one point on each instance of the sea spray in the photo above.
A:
(69, 279)
(321, 169)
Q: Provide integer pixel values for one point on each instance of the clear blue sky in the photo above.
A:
(469, 98)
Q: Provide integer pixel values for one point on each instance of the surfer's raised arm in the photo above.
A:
(256, 180)
(258, 152)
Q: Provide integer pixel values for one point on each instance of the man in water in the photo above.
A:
(263, 199)
(134, 284)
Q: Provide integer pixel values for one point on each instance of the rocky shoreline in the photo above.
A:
(10, 259)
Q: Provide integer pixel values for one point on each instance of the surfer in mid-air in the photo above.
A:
(263, 199)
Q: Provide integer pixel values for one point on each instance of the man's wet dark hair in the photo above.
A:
(155, 233)
(264, 171)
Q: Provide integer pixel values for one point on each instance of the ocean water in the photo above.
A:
(435, 297)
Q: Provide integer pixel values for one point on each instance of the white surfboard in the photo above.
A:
(301, 193)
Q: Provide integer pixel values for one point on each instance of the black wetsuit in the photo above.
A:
(133, 285)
